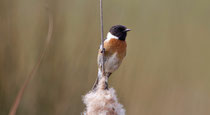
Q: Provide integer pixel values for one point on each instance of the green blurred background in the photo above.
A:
(166, 70)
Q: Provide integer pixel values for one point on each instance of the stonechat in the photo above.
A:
(114, 51)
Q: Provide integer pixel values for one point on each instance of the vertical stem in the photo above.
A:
(102, 35)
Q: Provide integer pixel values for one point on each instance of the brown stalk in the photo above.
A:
(36, 66)
(102, 34)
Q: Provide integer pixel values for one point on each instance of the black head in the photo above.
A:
(119, 31)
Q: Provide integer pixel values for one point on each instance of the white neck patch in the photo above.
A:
(110, 36)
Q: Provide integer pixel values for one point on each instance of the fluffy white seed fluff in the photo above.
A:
(102, 102)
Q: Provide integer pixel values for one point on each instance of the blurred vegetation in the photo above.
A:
(166, 70)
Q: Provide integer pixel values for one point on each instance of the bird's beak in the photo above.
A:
(127, 30)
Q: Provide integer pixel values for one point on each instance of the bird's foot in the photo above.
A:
(103, 50)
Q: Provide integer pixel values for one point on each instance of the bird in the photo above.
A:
(114, 52)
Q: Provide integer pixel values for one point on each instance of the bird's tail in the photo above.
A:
(99, 77)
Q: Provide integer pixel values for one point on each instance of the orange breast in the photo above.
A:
(114, 45)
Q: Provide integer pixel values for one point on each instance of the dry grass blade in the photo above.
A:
(25, 84)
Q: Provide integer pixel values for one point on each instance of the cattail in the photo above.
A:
(102, 102)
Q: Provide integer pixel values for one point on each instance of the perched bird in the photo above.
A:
(114, 51)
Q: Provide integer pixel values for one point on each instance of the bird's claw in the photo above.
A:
(103, 50)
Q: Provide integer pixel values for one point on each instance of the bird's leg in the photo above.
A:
(106, 88)
(106, 83)
(108, 74)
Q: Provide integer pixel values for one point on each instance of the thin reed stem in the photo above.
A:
(102, 35)
(35, 68)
